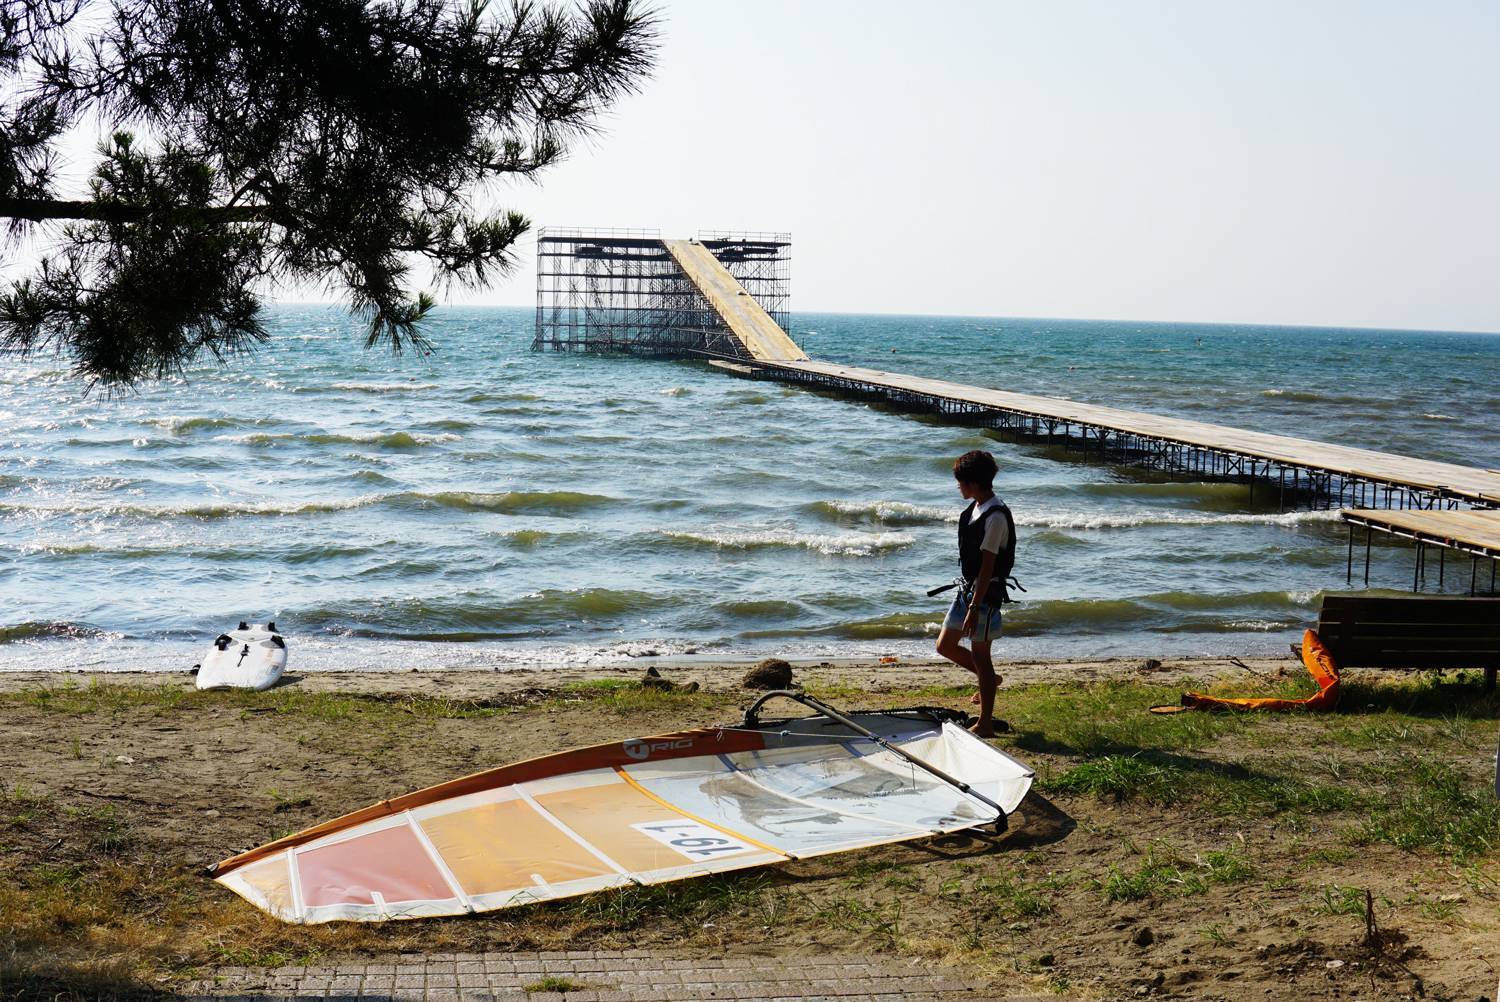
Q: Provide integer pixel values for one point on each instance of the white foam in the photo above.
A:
(384, 387)
(834, 544)
(887, 511)
(1128, 520)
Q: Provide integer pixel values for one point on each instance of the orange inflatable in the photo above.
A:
(1319, 665)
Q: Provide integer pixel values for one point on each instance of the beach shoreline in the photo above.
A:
(716, 675)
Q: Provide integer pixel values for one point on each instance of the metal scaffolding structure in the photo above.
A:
(622, 291)
(761, 262)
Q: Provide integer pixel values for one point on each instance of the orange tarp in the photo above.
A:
(1320, 666)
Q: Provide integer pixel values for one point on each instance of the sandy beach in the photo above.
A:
(1199, 856)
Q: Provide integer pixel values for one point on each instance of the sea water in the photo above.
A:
(489, 506)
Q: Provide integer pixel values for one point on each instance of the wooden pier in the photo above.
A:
(723, 297)
(1476, 533)
(1335, 475)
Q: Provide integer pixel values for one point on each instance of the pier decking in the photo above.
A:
(1476, 533)
(1363, 477)
(1473, 532)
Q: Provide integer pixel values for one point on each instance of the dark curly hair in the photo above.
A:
(976, 467)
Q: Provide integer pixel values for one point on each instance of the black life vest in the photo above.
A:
(971, 535)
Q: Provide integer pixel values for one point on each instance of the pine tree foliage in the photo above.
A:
(254, 142)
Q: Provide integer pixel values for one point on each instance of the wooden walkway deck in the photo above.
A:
(1339, 473)
(1474, 532)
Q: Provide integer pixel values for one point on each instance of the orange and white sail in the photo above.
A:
(642, 811)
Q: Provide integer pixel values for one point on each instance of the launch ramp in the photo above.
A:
(761, 337)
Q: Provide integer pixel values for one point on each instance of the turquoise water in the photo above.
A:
(488, 505)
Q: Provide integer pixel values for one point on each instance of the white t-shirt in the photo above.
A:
(996, 530)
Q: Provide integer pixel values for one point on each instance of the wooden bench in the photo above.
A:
(1419, 631)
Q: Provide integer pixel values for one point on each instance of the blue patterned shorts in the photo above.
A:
(987, 623)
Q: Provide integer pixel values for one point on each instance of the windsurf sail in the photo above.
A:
(641, 811)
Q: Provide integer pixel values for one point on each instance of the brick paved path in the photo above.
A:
(597, 975)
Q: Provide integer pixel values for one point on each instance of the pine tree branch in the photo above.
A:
(38, 210)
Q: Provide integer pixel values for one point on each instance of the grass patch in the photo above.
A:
(1232, 790)
(1122, 777)
(1110, 718)
(1337, 900)
(1010, 899)
(601, 686)
(1163, 873)
(163, 700)
(554, 983)
(1436, 807)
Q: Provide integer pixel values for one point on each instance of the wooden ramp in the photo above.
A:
(1359, 475)
(762, 337)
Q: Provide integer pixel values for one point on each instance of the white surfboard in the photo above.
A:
(251, 657)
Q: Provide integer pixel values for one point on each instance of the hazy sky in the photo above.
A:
(1307, 162)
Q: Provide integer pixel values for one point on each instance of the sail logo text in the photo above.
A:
(642, 750)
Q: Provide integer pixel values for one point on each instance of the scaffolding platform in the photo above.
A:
(720, 295)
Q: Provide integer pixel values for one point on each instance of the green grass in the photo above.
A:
(601, 686)
(1122, 777)
(1226, 789)
(1338, 900)
(1110, 718)
(1434, 807)
(1163, 873)
(358, 709)
(1401, 765)
(554, 983)
(96, 697)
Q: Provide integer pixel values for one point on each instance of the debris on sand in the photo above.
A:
(772, 673)
(653, 680)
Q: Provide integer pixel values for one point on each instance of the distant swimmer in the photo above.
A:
(986, 555)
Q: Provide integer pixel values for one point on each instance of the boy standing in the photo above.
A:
(986, 554)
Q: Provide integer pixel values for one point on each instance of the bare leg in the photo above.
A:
(984, 668)
(949, 647)
(977, 661)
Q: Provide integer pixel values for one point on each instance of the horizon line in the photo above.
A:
(986, 316)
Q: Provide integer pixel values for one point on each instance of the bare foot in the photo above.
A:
(998, 680)
(987, 732)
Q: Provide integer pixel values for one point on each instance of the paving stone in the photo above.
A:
(605, 976)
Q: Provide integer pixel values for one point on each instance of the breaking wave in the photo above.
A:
(884, 512)
(379, 439)
(183, 425)
(510, 502)
(383, 387)
(475, 616)
(1130, 520)
(47, 631)
(507, 502)
(842, 544)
